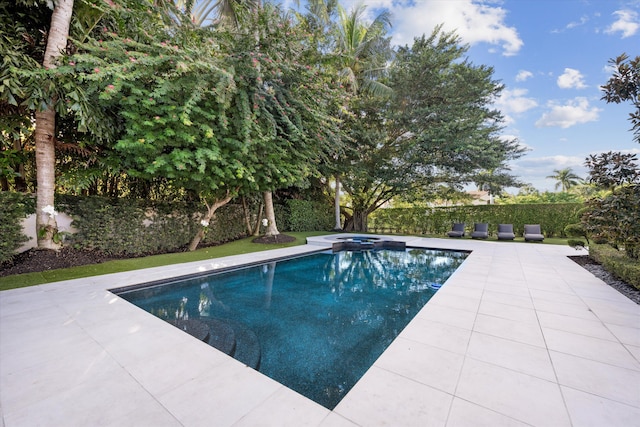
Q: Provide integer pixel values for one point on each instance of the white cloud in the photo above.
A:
(575, 111)
(583, 20)
(627, 23)
(475, 21)
(571, 79)
(515, 101)
(523, 75)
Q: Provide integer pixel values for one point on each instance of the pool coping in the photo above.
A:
(505, 316)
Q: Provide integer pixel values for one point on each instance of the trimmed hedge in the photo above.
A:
(139, 227)
(553, 218)
(15, 207)
(306, 215)
(617, 263)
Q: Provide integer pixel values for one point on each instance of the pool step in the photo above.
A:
(246, 346)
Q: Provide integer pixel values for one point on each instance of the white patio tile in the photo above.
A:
(604, 380)
(423, 363)
(335, 420)
(511, 288)
(102, 399)
(509, 312)
(510, 354)
(294, 410)
(504, 391)
(449, 316)
(588, 410)
(220, 398)
(509, 299)
(591, 348)
(545, 295)
(634, 350)
(591, 328)
(575, 310)
(382, 398)
(527, 333)
(626, 334)
(466, 414)
(455, 301)
(438, 334)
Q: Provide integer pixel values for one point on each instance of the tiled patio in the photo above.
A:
(519, 335)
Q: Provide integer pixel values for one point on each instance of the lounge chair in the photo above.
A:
(505, 232)
(480, 230)
(457, 230)
(532, 233)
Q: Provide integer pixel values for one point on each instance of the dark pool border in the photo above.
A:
(340, 245)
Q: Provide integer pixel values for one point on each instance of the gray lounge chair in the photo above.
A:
(505, 232)
(457, 230)
(532, 233)
(480, 230)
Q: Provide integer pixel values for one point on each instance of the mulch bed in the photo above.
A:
(35, 260)
(278, 238)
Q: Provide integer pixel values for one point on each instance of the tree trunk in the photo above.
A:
(336, 204)
(256, 228)
(211, 210)
(360, 220)
(272, 228)
(46, 225)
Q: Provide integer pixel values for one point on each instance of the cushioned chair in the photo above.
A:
(480, 230)
(457, 230)
(505, 232)
(532, 233)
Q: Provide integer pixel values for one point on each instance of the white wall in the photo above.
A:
(29, 229)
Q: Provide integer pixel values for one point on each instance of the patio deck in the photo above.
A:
(519, 335)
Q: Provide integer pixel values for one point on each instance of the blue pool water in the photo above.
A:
(314, 323)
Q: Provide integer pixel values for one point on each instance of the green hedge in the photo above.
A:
(617, 263)
(139, 227)
(553, 218)
(15, 207)
(305, 215)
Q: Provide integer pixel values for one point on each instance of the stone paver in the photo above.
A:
(519, 335)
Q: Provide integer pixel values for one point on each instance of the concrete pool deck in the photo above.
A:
(519, 335)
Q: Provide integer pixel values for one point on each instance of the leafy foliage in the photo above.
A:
(617, 263)
(552, 217)
(624, 85)
(15, 207)
(614, 217)
(438, 127)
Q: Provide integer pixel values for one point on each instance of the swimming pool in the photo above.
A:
(314, 323)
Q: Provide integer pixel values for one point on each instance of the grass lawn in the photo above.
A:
(238, 247)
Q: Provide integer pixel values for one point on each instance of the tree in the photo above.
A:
(624, 85)
(437, 128)
(566, 179)
(361, 52)
(45, 134)
(614, 217)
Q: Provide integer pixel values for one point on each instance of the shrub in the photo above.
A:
(15, 207)
(553, 218)
(615, 261)
(306, 215)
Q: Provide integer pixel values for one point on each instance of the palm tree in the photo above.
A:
(361, 54)
(565, 179)
(45, 134)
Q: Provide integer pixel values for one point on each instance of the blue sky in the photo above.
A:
(552, 56)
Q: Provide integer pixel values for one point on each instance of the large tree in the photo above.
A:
(438, 127)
